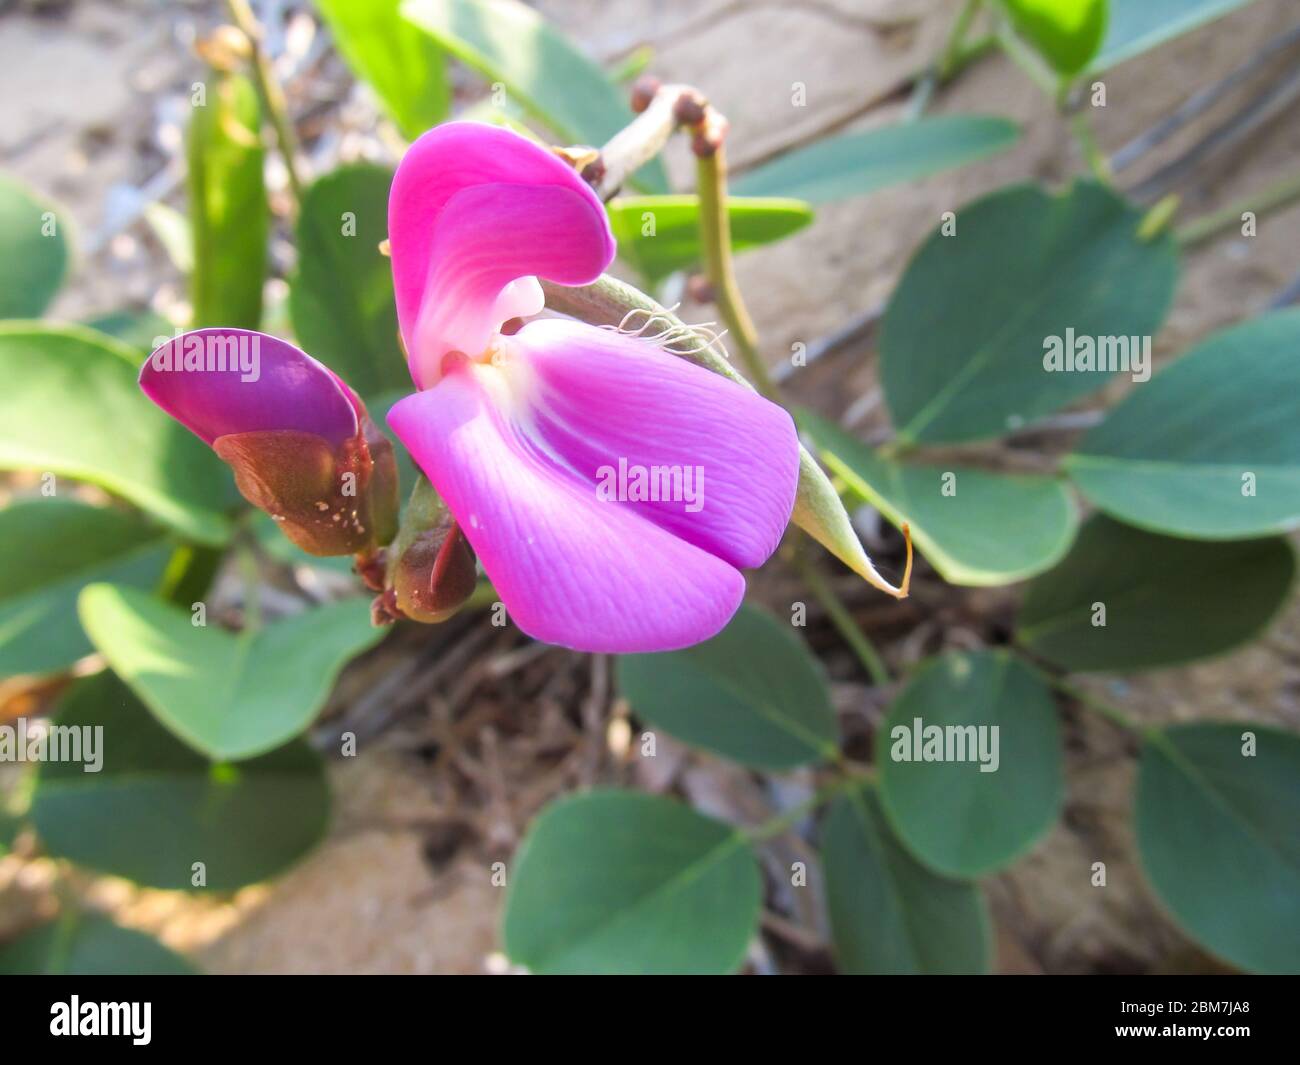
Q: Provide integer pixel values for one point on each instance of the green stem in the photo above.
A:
(1027, 60)
(843, 621)
(1207, 226)
(252, 595)
(272, 95)
(715, 241)
(797, 813)
(1096, 159)
(1112, 713)
(953, 49)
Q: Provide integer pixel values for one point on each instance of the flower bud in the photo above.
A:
(431, 570)
(300, 442)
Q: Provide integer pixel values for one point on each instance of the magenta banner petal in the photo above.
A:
(218, 382)
(722, 460)
(570, 569)
(473, 209)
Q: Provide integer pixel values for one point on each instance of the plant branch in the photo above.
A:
(641, 139)
(1201, 229)
(715, 243)
(272, 95)
(840, 617)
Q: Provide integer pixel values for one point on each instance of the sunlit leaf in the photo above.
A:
(228, 695)
(71, 406)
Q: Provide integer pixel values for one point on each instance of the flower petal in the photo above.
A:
(571, 570)
(217, 382)
(474, 208)
(608, 404)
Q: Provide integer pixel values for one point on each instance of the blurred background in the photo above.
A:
(468, 729)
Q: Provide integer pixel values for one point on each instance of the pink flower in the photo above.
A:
(612, 491)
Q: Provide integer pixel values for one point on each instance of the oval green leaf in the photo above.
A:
(154, 807)
(86, 944)
(1210, 446)
(1125, 599)
(970, 762)
(1022, 268)
(619, 882)
(341, 299)
(854, 164)
(1067, 33)
(753, 693)
(403, 66)
(227, 695)
(33, 250)
(64, 545)
(508, 42)
(658, 235)
(1217, 810)
(229, 217)
(974, 527)
(889, 914)
(71, 406)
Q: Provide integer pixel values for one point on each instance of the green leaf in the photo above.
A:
(507, 42)
(229, 217)
(33, 250)
(753, 693)
(1165, 601)
(618, 882)
(341, 300)
(993, 528)
(226, 695)
(58, 546)
(957, 716)
(674, 243)
(1139, 25)
(1209, 447)
(86, 944)
(71, 406)
(889, 914)
(155, 807)
(400, 63)
(1216, 830)
(1067, 33)
(1022, 268)
(854, 164)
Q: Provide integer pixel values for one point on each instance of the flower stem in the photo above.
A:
(843, 620)
(271, 93)
(715, 242)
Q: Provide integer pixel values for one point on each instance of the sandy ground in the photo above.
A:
(93, 104)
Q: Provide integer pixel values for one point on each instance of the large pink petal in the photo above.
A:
(602, 398)
(571, 570)
(285, 389)
(473, 209)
